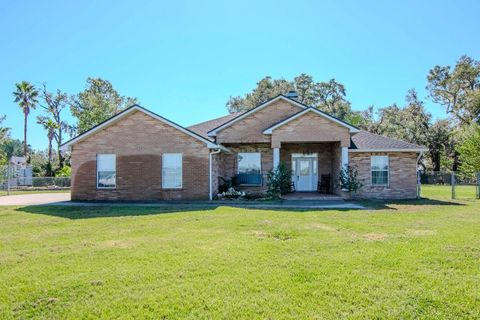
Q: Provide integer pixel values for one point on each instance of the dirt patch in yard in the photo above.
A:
(468, 251)
(321, 226)
(373, 236)
(259, 233)
(120, 244)
(266, 222)
(420, 233)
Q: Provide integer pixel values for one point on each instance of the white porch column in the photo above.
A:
(276, 157)
(344, 157)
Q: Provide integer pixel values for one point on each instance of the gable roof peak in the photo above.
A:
(135, 107)
(352, 129)
(213, 132)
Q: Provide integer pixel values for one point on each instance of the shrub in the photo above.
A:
(254, 195)
(64, 172)
(349, 179)
(224, 185)
(279, 181)
(231, 194)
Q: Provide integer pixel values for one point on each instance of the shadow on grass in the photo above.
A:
(89, 212)
(388, 204)
(104, 210)
(124, 210)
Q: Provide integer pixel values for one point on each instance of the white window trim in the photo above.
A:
(181, 172)
(238, 162)
(388, 171)
(96, 165)
(305, 155)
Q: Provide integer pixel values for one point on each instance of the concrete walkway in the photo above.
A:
(63, 199)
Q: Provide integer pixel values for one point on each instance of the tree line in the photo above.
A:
(96, 103)
(453, 142)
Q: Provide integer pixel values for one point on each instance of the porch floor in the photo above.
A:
(311, 196)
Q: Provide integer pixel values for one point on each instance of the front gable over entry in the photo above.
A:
(310, 125)
(248, 127)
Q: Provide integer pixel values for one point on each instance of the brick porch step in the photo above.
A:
(310, 196)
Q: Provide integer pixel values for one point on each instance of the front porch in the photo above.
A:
(315, 167)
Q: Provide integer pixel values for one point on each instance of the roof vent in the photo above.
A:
(292, 94)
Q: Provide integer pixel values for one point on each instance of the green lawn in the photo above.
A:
(445, 192)
(413, 259)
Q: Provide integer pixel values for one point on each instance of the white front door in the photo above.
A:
(305, 174)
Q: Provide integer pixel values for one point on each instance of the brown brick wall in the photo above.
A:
(403, 177)
(311, 127)
(139, 141)
(217, 165)
(250, 129)
(336, 166)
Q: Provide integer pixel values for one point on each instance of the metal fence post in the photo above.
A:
(478, 185)
(453, 182)
(8, 180)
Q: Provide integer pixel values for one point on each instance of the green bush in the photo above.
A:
(64, 172)
(348, 179)
(279, 181)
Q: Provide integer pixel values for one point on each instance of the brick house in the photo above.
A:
(139, 155)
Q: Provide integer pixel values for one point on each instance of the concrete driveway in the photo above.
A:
(34, 199)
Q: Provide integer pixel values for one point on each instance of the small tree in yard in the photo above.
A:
(349, 179)
(279, 181)
(469, 150)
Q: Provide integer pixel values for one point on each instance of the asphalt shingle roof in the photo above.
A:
(361, 140)
(368, 140)
(204, 127)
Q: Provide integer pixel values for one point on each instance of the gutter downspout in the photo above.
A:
(419, 186)
(210, 195)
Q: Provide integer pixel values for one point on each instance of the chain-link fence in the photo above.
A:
(458, 185)
(14, 179)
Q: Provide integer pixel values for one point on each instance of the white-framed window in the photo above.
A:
(249, 163)
(106, 171)
(380, 170)
(172, 171)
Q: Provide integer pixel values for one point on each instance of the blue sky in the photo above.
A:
(183, 59)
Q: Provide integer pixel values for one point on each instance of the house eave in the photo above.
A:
(388, 150)
(68, 145)
(351, 128)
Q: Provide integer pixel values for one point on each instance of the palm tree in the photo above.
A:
(26, 97)
(51, 126)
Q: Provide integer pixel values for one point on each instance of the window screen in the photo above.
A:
(249, 163)
(172, 170)
(106, 171)
(380, 170)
